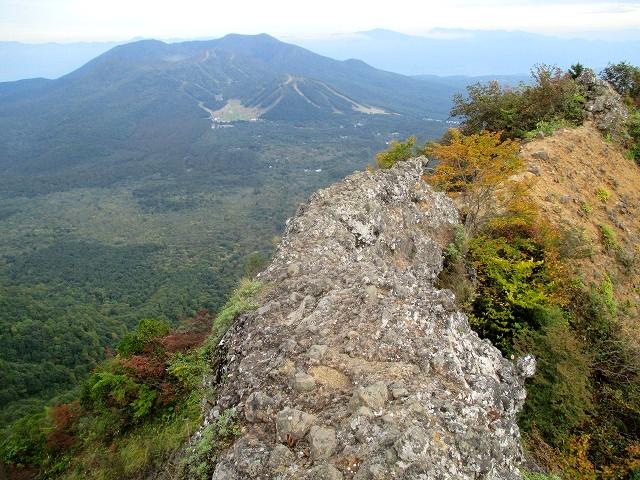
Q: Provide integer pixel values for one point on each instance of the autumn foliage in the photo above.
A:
(63, 417)
(148, 382)
(476, 170)
(511, 270)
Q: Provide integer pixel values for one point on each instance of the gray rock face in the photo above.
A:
(303, 382)
(292, 424)
(322, 441)
(374, 396)
(402, 387)
(604, 105)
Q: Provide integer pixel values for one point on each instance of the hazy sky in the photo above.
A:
(73, 20)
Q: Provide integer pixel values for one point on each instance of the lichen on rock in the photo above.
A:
(356, 363)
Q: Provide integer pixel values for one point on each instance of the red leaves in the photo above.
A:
(197, 329)
(127, 378)
(144, 367)
(168, 393)
(64, 417)
(181, 342)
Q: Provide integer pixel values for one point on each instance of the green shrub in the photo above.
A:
(397, 152)
(606, 290)
(633, 130)
(253, 264)
(188, 368)
(106, 388)
(576, 70)
(148, 329)
(634, 152)
(602, 194)
(491, 107)
(554, 99)
(512, 286)
(624, 77)
(199, 462)
(586, 208)
(547, 128)
(454, 275)
(240, 301)
(457, 249)
(608, 237)
(143, 404)
(558, 396)
(24, 441)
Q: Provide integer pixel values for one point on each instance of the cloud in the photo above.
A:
(41, 20)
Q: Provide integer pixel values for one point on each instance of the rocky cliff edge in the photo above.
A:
(356, 365)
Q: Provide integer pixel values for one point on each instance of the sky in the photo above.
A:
(118, 20)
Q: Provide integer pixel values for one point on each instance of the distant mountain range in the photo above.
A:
(471, 52)
(147, 97)
(443, 52)
(140, 184)
(460, 82)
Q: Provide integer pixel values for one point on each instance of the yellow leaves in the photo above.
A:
(470, 161)
(578, 464)
(477, 170)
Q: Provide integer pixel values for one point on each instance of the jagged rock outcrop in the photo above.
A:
(356, 365)
(604, 106)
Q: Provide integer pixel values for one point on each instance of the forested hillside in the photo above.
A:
(538, 266)
(122, 198)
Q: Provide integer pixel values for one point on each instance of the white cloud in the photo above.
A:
(42, 20)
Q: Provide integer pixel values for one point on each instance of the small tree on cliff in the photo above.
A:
(576, 70)
(625, 79)
(476, 170)
(397, 152)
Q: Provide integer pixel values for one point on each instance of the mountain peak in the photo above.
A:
(139, 47)
(238, 40)
(246, 77)
(257, 37)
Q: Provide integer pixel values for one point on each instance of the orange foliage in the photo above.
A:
(630, 464)
(577, 461)
(476, 170)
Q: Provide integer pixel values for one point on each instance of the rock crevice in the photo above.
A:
(356, 365)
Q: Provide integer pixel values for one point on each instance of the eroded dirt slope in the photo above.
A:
(585, 183)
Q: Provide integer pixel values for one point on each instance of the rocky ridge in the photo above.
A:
(603, 106)
(356, 365)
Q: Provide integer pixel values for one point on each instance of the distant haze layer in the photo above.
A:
(443, 52)
(48, 60)
(471, 52)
